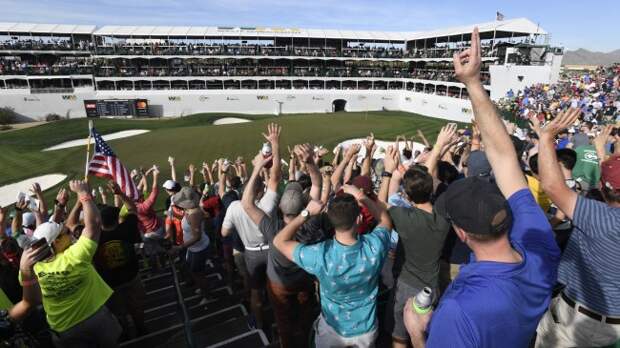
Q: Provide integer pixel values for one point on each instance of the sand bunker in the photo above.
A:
(8, 193)
(111, 136)
(229, 120)
(381, 147)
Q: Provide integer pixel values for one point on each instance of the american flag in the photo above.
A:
(105, 164)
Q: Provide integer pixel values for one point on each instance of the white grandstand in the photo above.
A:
(79, 71)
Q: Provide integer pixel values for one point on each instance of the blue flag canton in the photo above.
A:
(101, 146)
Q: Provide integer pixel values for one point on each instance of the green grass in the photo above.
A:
(191, 139)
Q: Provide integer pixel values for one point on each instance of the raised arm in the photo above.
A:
(369, 144)
(62, 198)
(36, 189)
(128, 202)
(16, 224)
(600, 141)
(73, 219)
(92, 219)
(221, 172)
(284, 241)
(499, 149)
(249, 194)
(31, 291)
(445, 137)
(551, 177)
(192, 175)
(305, 153)
(390, 163)
(275, 174)
(173, 172)
(2, 223)
(339, 170)
(423, 138)
(291, 165)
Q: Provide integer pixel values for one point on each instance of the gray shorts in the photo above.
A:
(394, 321)
(326, 336)
(256, 265)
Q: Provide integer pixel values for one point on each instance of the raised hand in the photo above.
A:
(467, 63)
(603, 137)
(260, 161)
(314, 207)
(171, 160)
(273, 133)
(534, 123)
(446, 135)
(36, 189)
(305, 153)
(390, 161)
(113, 186)
(62, 197)
(191, 168)
(79, 186)
(369, 142)
(155, 170)
(352, 151)
(564, 120)
(353, 191)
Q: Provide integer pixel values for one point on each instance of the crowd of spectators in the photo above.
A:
(594, 93)
(528, 216)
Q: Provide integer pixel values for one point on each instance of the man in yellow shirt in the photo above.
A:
(73, 293)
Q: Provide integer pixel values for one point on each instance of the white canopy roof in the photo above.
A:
(6, 27)
(519, 25)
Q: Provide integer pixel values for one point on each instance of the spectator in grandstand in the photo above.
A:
(19, 309)
(256, 247)
(73, 293)
(421, 231)
(347, 267)
(9, 262)
(117, 263)
(195, 241)
(498, 298)
(151, 225)
(587, 312)
(290, 289)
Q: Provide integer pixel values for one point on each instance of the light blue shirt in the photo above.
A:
(349, 278)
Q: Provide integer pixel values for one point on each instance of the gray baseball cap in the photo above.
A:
(293, 200)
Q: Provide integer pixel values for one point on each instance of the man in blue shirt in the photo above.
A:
(587, 312)
(347, 267)
(498, 298)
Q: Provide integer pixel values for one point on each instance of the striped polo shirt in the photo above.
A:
(590, 265)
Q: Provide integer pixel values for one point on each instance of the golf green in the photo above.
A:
(191, 139)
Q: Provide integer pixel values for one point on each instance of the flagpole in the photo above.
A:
(90, 133)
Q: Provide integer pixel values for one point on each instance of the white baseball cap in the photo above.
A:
(28, 219)
(48, 230)
(169, 184)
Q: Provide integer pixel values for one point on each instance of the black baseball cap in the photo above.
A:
(475, 205)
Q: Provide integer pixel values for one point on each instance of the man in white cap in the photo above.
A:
(73, 293)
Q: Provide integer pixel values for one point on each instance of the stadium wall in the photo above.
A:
(181, 103)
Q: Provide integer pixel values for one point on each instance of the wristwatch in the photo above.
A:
(305, 214)
(386, 174)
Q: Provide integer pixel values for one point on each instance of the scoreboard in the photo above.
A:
(116, 107)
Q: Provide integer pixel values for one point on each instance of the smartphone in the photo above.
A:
(42, 243)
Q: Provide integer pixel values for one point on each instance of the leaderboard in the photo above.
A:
(116, 107)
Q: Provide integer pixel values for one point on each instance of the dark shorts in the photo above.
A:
(256, 264)
(197, 261)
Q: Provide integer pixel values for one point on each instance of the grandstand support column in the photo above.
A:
(357, 85)
(133, 85)
(340, 84)
(372, 84)
(114, 82)
(187, 83)
(324, 84)
(493, 43)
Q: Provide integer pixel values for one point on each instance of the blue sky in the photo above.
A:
(573, 24)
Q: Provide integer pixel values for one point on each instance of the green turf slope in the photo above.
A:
(191, 139)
